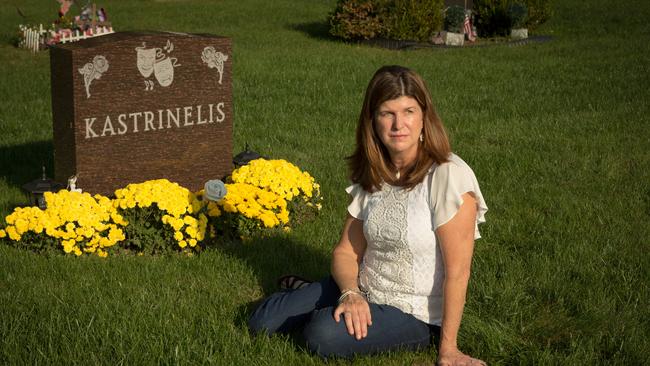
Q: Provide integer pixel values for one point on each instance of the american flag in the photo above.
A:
(467, 27)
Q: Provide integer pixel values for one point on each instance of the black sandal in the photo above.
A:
(292, 282)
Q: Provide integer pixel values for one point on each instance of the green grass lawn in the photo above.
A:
(558, 134)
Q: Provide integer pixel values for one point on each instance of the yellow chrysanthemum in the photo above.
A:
(168, 196)
(178, 236)
(191, 231)
(77, 219)
(13, 234)
(253, 202)
(279, 177)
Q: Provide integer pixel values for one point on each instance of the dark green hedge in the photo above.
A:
(393, 19)
(356, 19)
(494, 17)
(420, 19)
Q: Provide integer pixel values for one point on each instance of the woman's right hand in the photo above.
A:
(356, 314)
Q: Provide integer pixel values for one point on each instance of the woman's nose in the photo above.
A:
(398, 122)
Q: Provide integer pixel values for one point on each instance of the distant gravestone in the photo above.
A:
(130, 107)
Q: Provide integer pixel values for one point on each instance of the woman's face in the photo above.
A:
(398, 125)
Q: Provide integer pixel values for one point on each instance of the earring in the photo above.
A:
(421, 137)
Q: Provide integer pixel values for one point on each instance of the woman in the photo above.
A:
(407, 241)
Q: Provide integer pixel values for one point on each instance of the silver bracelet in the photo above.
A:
(347, 293)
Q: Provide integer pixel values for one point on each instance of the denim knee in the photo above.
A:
(270, 324)
(264, 319)
(276, 314)
(324, 336)
(258, 324)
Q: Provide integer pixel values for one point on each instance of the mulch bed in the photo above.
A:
(392, 44)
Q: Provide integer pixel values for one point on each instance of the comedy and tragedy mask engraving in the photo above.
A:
(156, 61)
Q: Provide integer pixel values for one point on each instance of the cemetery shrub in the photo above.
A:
(518, 14)
(491, 18)
(539, 11)
(494, 17)
(355, 19)
(414, 19)
(393, 19)
(454, 19)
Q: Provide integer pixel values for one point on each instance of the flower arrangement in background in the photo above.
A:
(75, 222)
(92, 21)
(162, 216)
(159, 216)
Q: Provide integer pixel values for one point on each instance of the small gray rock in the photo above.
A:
(215, 190)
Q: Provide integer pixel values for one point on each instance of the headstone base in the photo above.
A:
(521, 33)
(453, 39)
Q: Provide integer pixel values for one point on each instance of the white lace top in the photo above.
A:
(402, 265)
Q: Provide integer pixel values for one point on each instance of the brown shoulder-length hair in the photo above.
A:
(370, 164)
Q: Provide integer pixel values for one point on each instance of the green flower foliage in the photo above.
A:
(146, 233)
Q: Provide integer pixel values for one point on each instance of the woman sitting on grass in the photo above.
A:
(401, 269)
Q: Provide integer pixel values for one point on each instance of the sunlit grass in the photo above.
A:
(556, 132)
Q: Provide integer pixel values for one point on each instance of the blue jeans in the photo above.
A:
(312, 308)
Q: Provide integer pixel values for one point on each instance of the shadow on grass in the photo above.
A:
(320, 31)
(23, 163)
(316, 30)
(272, 257)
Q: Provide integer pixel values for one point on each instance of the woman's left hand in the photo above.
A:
(457, 358)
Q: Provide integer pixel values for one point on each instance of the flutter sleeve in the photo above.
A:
(357, 208)
(449, 182)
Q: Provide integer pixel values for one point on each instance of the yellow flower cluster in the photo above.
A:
(81, 222)
(259, 195)
(253, 203)
(187, 230)
(279, 177)
(170, 197)
(178, 204)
